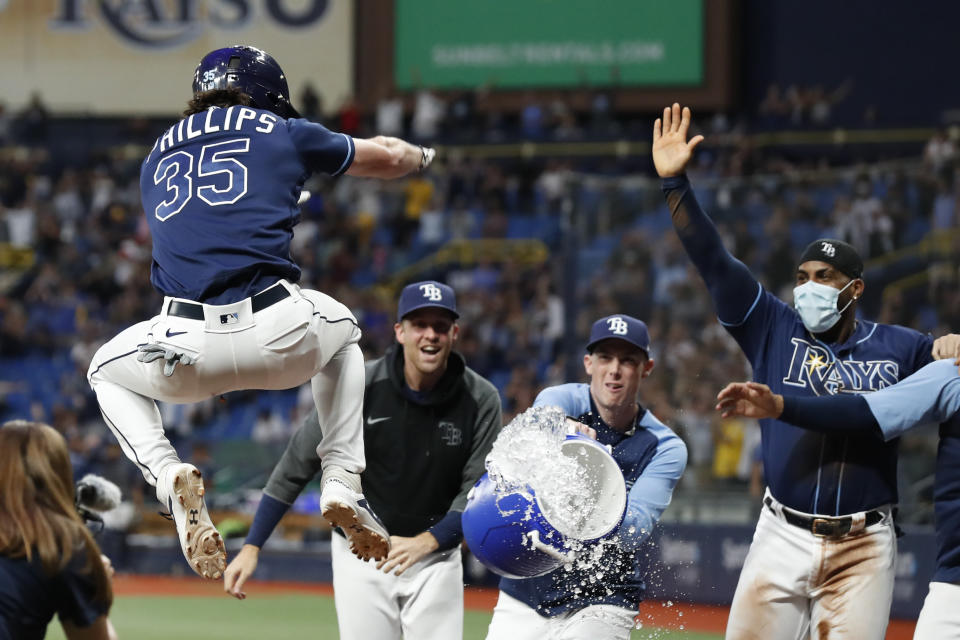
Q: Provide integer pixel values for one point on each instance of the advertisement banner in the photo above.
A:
(138, 56)
(548, 43)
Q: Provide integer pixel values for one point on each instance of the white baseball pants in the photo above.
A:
(424, 603)
(940, 616)
(305, 336)
(515, 620)
(795, 585)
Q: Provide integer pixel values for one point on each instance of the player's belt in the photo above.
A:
(259, 302)
(821, 526)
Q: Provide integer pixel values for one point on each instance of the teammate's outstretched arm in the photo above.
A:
(387, 158)
(931, 395)
(732, 287)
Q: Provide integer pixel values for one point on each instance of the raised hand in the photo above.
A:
(750, 400)
(671, 150)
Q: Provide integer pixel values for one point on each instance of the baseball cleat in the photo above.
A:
(342, 507)
(200, 541)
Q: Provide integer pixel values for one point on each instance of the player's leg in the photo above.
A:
(771, 602)
(599, 622)
(338, 390)
(364, 596)
(515, 620)
(338, 386)
(940, 616)
(432, 597)
(122, 386)
(125, 388)
(311, 336)
(854, 587)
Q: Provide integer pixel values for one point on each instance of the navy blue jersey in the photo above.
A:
(932, 395)
(29, 598)
(652, 459)
(810, 472)
(220, 191)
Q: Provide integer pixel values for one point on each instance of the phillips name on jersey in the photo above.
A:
(220, 191)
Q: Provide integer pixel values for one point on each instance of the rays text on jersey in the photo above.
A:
(813, 366)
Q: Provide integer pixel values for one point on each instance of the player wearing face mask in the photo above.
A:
(824, 266)
(825, 547)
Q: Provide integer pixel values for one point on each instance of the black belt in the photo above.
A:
(259, 302)
(824, 527)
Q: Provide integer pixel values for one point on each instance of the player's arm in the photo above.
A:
(337, 153)
(733, 288)
(299, 464)
(930, 395)
(652, 491)
(386, 158)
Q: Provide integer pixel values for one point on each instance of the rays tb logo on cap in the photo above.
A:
(422, 295)
(621, 327)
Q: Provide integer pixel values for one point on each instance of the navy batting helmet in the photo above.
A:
(250, 70)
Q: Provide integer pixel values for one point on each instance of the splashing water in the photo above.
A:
(527, 456)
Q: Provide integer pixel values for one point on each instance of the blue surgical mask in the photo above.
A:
(817, 305)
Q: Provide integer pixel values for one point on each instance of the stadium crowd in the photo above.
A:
(75, 256)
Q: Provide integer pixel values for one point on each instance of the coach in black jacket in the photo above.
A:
(429, 422)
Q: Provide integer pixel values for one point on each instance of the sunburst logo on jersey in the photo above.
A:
(814, 362)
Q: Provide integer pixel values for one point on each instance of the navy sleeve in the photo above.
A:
(269, 513)
(836, 415)
(924, 353)
(734, 290)
(321, 149)
(76, 594)
(448, 531)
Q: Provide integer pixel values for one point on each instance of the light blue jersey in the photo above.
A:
(652, 459)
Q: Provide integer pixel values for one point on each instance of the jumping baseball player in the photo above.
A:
(220, 191)
(930, 395)
(803, 575)
(430, 422)
(571, 603)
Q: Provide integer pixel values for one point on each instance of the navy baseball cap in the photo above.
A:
(426, 294)
(837, 253)
(621, 327)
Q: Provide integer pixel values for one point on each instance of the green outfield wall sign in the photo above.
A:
(513, 44)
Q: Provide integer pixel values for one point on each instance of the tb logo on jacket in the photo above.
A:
(450, 433)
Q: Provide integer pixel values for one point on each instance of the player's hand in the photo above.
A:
(578, 427)
(671, 150)
(750, 400)
(947, 346)
(240, 568)
(405, 552)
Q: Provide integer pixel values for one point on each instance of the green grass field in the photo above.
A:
(276, 617)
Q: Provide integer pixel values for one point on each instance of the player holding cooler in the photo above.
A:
(220, 190)
(932, 395)
(430, 422)
(822, 559)
(570, 603)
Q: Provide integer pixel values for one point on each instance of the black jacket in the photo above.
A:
(423, 456)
